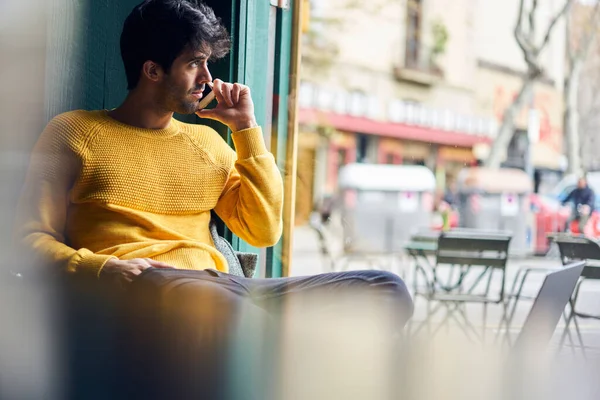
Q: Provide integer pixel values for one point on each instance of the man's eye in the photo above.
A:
(195, 64)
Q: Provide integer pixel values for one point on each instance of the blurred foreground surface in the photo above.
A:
(449, 366)
(332, 355)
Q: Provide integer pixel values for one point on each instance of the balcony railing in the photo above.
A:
(421, 71)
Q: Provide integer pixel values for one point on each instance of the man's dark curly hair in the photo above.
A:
(159, 31)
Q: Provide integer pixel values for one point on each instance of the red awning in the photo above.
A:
(389, 129)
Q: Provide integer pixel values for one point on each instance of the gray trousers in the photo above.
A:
(202, 333)
(582, 218)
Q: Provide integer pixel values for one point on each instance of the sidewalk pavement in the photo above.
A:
(307, 260)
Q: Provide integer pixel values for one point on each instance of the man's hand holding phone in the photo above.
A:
(235, 107)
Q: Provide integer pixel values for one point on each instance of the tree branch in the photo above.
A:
(570, 44)
(553, 23)
(524, 44)
(590, 35)
(532, 26)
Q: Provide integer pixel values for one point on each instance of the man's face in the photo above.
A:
(581, 184)
(182, 87)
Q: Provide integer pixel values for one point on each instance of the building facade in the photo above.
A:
(421, 82)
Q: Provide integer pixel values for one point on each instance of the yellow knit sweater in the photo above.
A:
(97, 189)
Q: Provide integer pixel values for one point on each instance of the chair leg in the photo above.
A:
(452, 309)
(415, 279)
(443, 323)
(573, 302)
(468, 326)
(508, 316)
(514, 285)
(419, 270)
(566, 331)
(504, 323)
(484, 328)
(430, 314)
(507, 337)
(579, 336)
(329, 262)
(564, 334)
(446, 319)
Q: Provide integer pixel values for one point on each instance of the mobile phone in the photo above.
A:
(206, 100)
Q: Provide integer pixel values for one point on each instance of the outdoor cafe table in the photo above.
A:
(423, 247)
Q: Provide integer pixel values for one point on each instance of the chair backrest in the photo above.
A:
(472, 248)
(240, 264)
(548, 306)
(579, 248)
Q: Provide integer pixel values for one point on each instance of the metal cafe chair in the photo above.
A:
(548, 306)
(572, 249)
(478, 257)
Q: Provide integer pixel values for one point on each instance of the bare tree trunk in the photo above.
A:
(506, 131)
(571, 117)
(576, 56)
(526, 38)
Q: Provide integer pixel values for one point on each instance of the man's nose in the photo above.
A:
(204, 75)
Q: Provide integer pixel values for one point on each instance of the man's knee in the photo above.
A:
(399, 287)
(204, 300)
(385, 279)
(187, 306)
(390, 285)
(193, 324)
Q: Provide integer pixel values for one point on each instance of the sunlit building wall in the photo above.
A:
(417, 82)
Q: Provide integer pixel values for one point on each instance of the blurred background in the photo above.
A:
(429, 82)
(424, 116)
(457, 87)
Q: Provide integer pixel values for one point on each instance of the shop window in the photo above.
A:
(362, 147)
(414, 161)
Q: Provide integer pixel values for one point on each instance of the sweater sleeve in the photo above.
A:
(42, 209)
(252, 200)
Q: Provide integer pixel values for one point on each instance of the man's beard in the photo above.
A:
(180, 101)
(187, 107)
(183, 106)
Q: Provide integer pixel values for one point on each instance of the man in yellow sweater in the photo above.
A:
(115, 193)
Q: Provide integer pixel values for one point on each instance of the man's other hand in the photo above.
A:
(235, 108)
(125, 271)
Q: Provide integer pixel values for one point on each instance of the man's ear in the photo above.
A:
(152, 71)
